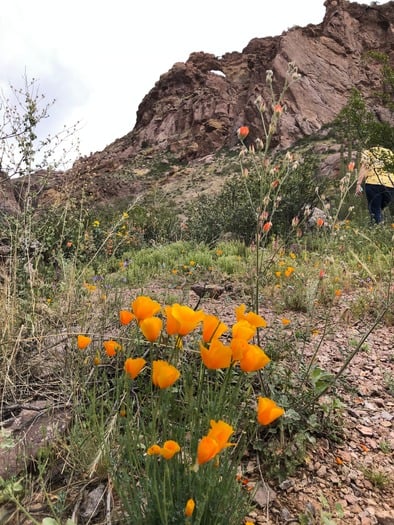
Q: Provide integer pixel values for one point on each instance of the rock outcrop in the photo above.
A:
(196, 107)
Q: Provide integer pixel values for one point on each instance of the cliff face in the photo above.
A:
(196, 107)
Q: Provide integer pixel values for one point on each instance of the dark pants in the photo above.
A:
(378, 198)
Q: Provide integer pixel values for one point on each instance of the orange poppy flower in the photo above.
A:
(125, 317)
(243, 132)
(164, 374)
(189, 507)
(151, 328)
(182, 320)
(133, 366)
(206, 450)
(243, 329)
(251, 317)
(111, 347)
(144, 307)
(268, 411)
(319, 222)
(238, 346)
(267, 226)
(254, 358)
(221, 431)
(217, 356)
(278, 108)
(154, 450)
(289, 271)
(213, 328)
(169, 449)
(83, 341)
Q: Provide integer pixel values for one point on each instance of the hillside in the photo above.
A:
(193, 111)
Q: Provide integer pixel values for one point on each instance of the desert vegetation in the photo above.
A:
(169, 350)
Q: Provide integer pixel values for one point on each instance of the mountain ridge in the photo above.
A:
(194, 110)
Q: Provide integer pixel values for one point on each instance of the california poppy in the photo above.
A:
(253, 358)
(252, 318)
(212, 328)
(83, 341)
(169, 449)
(151, 328)
(125, 317)
(111, 347)
(164, 374)
(268, 411)
(243, 329)
(221, 432)
(133, 366)
(189, 507)
(243, 132)
(144, 307)
(217, 356)
(182, 320)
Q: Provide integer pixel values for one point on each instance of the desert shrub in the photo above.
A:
(234, 210)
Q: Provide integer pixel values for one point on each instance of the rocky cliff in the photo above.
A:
(196, 107)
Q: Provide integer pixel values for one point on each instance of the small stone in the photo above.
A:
(385, 518)
(365, 431)
(264, 495)
(286, 484)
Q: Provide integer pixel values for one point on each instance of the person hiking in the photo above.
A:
(377, 172)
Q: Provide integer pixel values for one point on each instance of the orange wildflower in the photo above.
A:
(215, 441)
(267, 226)
(351, 166)
(125, 317)
(164, 374)
(338, 293)
(133, 366)
(169, 449)
(221, 431)
(189, 507)
(254, 358)
(154, 450)
(285, 321)
(289, 271)
(206, 450)
(83, 341)
(151, 328)
(111, 347)
(251, 317)
(182, 320)
(144, 307)
(268, 411)
(213, 328)
(217, 356)
(243, 329)
(238, 347)
(243, 132)
(319, 222)
(278, 108)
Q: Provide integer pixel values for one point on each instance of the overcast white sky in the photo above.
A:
(98, 59)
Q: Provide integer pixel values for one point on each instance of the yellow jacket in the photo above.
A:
(373, 160)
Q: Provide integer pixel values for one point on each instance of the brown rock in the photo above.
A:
(385, 518)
